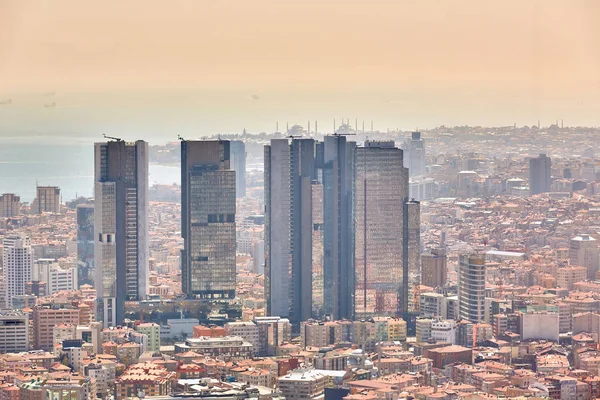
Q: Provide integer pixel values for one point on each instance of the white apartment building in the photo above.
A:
(17, 261)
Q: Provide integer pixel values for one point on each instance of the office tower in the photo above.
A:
(289, 175)
(434, 268)
(10, 205)
(120, 226)
(208, 220)
(85, 244)
(14, 331)
(381, 190)
(471, 288)
(411, 257)
(584, 252)
(47, 200)
(415, 158)
(238, 164)
(336, 157)
(540, 174)
(17, 265)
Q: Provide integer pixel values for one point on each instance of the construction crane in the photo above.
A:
(112, 138)
(180, 138)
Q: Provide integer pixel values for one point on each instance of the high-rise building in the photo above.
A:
(415, 158)
(411, 258)
(434, 268)
(540, 169)
(120, 226)
(336, 158)
(45, 319)
(584, 252)
(10, 205)
(471, 288)
(47, 200)
(208, 220)
(85, 243)
(381, 190)
(14, 331)
(289, 177)
(238, 164)
(17, 265)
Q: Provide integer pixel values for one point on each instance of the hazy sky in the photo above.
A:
(225, 65)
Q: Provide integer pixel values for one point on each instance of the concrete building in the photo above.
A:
(147, 379)
(247, 330)
(303, 384)
(10, 205)
(444, 330)
(423, 327)
(85, 244)
(540, 169)
(272, 332)
(471, 287)
(411, 258)
(431, 305)
(17, 266)
(44, 321)
(152, 331)
(320, 334)
(47, 200)
(289, 176)
(540, 325)
(584, 252)
(208, 220)
(120, 226)
(14, 331)
(569, 275)
(381, 185)
(56, 277)
(238, 164)
(231, 347)
(434, 268)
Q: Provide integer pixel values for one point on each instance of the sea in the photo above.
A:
(70, 167)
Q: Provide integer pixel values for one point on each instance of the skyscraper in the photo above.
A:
(415, 157)
(381, 190)
(17, 265)
(336, 158)
(238, 163)
(47, 199)
(471, 287)
(10, 205)
(289, 179)
(411, 257)
(120, 226)
(208, 220)
(540, 169)
(85, 243)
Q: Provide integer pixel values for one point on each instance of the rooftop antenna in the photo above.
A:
(276, 126)
(316, 128)
(356, 125)
(112, 138)
(309, 128)
(334, 126)
(363, 130)
(287, 127)
(371, 126)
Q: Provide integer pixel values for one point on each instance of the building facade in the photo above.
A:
(381, 187)
(17, 265)
(238, 163)
(47, 200)
(85, 244)
(10, 205)
(208, 220)
(471, 287)
(540, 172)
(120, 226)
(434, 268)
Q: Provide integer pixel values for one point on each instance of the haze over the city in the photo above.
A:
(74, 69)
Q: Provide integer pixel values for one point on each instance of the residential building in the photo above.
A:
(120, 226)
(45, 319)
(247, 330)
(10, 205)
(302, 384)
(147, 379)
(569, 275)
(584, 252)
(444, 330)
(208, 220)
(230, 347)
(152, 331)
(17, 265)
(471, 287)
(47, 200)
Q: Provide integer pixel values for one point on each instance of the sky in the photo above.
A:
(207, 66)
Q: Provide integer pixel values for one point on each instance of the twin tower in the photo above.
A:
(341, 235)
